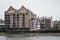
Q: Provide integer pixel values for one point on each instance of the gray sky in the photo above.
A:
(38, 7)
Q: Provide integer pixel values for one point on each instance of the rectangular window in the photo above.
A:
(14, 25)
(17, 25)
(23, 14)
(17, 14)
(18, 17)
(14, 18)
(23, 25)
(13, 22)
(8, 22)
(17, 22)
(23, 20)
(13, 14)
(8, 18)
(23, 17)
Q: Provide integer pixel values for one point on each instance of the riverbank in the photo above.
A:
(30, 34)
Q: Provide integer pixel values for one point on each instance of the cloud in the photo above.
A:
(39, 7)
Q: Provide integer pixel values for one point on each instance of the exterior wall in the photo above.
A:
(38, 24)
(46, 22)
(18, 18)
(9, 19)
(42, 24)
(55, 24)
(58, 25)
(35, 24)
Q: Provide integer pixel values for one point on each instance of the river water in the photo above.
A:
(28, 37)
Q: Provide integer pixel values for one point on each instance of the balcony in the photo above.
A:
(7, 15)
(7, 20)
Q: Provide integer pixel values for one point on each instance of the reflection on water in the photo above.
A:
(20, 37)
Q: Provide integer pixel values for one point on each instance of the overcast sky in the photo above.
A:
(38, 7)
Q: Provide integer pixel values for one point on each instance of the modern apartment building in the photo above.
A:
(18, 18)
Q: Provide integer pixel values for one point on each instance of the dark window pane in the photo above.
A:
(23, 15)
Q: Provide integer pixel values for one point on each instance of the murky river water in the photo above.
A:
(28, 37)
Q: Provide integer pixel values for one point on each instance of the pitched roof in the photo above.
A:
(11, 9)
(22, 8)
